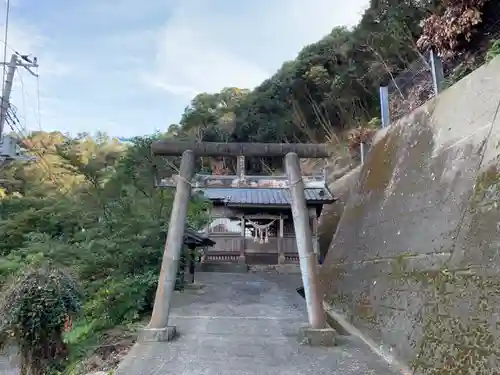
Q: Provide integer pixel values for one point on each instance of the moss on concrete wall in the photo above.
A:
(415, 264)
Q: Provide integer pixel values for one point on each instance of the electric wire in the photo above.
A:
(6, 35)
(38, 110)
(11, 116)
(14, 122)
(23, 136)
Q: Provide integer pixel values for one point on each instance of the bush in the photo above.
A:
(494, 50)
(124, 300)
(456, 24)
(108, 229)
(34, 310)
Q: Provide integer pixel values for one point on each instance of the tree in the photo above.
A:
(105, 226)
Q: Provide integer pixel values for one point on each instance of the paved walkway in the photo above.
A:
(245, 324)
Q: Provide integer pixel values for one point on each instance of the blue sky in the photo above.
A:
(130, 67)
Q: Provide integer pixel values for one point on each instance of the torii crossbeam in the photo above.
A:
(303, 150)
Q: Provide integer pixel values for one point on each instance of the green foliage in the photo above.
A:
(90, 204)
(33, 312)
(456, 75)
(494, 50)
(107, 230)
(332, 85)
(123, 300)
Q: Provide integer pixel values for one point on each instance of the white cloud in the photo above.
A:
(189, 62)
(26, 96)
(203, 48)
(130, 69)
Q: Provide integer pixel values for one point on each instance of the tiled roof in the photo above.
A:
(199, 239)
(192, 237)
(261, 196)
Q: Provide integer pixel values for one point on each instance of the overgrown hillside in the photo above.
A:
(81, 241)
(80, 230)
(333, 85)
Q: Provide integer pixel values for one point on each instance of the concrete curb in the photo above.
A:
(317, 337)
(340, 323)
(194, 286)
(157, 334)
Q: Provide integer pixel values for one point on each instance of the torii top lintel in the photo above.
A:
(303, 150)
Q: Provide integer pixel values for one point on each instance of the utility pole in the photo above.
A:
(8, 145)
(7, 89)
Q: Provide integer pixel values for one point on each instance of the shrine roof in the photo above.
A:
(191, 237)
(195, 238)
(265, 196)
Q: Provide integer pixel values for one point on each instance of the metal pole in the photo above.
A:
(437, 72)
(307, 257)
(362, 152)
(7, 89)
(384, 106)
(173, 244)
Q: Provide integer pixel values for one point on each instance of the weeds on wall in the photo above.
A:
(494, 50)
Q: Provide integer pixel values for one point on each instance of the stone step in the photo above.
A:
(258, 327)
(222, 267)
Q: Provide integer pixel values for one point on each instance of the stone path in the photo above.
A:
(245, 324)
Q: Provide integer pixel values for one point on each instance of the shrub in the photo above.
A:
(494, 50)
(456, 24)
(34, 309)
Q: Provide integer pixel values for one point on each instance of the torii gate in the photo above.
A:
(317, 333)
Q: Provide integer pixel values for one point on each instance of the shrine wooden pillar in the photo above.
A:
(192, 260)
(281, 242)
(242, 257)
(314, 229)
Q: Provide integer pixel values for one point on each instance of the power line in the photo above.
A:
(8, 112)
(39, 113)
(8, 145)
(24, 134)
(23, 98)
(9, 47)
(6, 34)
(13, 121)
(36, 111)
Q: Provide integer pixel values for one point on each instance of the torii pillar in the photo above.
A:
(317, 333)
(158, 329)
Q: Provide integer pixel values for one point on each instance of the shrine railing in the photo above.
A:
(221, 181)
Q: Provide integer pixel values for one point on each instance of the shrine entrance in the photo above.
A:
(254, 226)
(247, 220)
(251, 218)
(262, 239)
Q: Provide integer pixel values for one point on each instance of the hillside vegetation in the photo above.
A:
(82, 243)
(81, 228)
(333, 85)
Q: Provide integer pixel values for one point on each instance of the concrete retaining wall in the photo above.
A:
(414, 264)
(330, 217)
